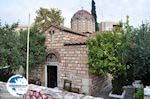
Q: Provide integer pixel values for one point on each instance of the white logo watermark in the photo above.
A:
(17, 85)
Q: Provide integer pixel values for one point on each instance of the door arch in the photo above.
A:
(51, 70)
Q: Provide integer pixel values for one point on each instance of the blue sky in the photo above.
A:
(107, 10)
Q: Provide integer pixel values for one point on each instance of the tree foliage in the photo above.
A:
(131, 56)
(138, 55)
(9, 47)
(104, 57)
(37, 51)
(45, 17)
(103, 53)
(13, 47)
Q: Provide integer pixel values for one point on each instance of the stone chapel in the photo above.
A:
(67, 58)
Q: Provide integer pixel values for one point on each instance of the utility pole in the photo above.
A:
(28, 37)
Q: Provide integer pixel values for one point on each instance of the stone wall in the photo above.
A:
(72, 62)
(72, 59)
(37, 73)
(99, 83)
(74, 65)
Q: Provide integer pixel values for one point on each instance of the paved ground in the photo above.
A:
(105, 94)
(8, 96)
(4, 94)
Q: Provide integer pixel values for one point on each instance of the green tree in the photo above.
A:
(103, 53)
(9, 47)
(104, 58)
(93, 12)
(135, 52)
(13, 47)
(45, 17)
(140, 52)
(37, 51)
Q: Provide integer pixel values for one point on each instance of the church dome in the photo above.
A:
(82, 14)
(83, 21)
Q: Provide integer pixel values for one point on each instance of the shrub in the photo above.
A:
(139, 94)
(4, 78)
(118, 82)
(129, 75)
(104, 57)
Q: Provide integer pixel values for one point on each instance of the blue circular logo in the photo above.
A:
(17, 85)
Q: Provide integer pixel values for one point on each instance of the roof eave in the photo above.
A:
(65, 30)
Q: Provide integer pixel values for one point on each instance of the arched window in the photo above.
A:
(52, 58)
(52, 35)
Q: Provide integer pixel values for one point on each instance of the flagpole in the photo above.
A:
(27, 64)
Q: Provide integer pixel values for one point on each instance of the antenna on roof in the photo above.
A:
(82, 8)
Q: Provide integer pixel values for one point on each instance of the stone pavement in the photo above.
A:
(8, 96)
(40, 92)
(4, 94)
(55, 93)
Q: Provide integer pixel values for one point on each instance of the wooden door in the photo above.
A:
(51, 76)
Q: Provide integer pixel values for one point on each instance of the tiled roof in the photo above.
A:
(81, 40)
(77, 41)
(66, 29)
(82, 13)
